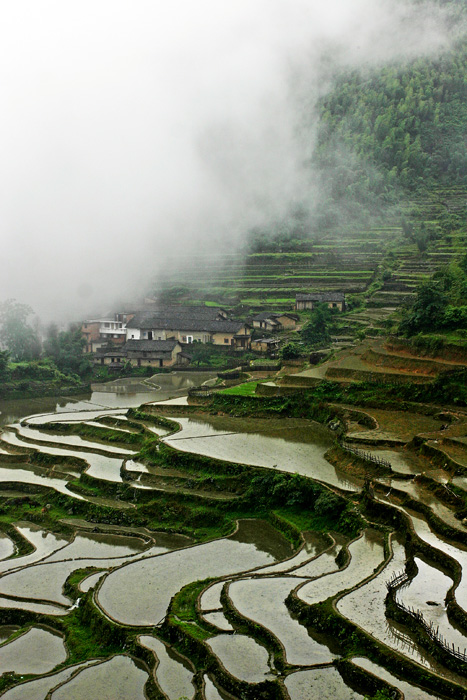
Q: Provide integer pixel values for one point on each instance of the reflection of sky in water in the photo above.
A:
(298, 450)
(319, 683)
(366, 554)
(431, 585)
(123, 393)
(411, 692)
(154, 581)
(242, 657)
(262, 600)
(127, 681)
(37, 651)
(365, 606)
(173, 674)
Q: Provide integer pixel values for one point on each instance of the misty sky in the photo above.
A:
(133, 129)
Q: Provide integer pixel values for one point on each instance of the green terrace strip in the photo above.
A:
(93, 432)
(449, 388)
(183, 610)
(142, 414)
(246, 389)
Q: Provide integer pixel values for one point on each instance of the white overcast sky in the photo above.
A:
(130, 129)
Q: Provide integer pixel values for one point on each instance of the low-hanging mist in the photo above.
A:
(136, 131)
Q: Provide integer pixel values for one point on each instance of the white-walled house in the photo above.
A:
(189, 329)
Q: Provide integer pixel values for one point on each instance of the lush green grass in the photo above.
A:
(184, 608)
(308, 520)
(246, 389)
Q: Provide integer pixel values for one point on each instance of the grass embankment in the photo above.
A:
(449, 388)
(95, 433)
(183, 610)
(246, 389)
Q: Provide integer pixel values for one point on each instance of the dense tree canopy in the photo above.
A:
(66, 350)
(16, 332)
(408, 121)
(440, 303)
(317, 330)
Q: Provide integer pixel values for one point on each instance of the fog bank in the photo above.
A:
(136, 130)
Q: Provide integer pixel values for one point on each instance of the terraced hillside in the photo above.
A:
(384, 263)
(182, 550)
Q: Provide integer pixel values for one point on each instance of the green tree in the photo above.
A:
(16, 333)
(4, 360)
(427, 311)
(317, 330)
(291, 351)
(65, 348)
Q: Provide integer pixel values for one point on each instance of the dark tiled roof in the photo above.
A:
(185, 324)
(265, 316)
(321, 296)
(150, 345)
(149, 319)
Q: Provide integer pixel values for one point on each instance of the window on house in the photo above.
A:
(189, 339)
(183, 338)
(226, 340)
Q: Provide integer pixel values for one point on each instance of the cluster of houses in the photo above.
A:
(161, 337)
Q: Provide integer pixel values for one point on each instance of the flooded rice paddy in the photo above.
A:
(319, 683)
(36, 651)
(127, 680)
(411, 692)
(153, 581)
(366, 554)
(135, 574)
(242, 657)
(173, 674)
(263, 601)
(288, 448)
(39, 689)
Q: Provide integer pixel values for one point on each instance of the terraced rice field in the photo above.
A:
(341, 260)
(241, 605)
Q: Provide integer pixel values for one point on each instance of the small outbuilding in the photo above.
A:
(307, 302)
(268, 346)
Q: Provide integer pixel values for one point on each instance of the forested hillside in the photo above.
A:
(388, 177)
(410, 121)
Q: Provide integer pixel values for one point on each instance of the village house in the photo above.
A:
(274, 321)
(207, 327)
(144, 353)
(102, 331)
(307, 302)
(268, 346)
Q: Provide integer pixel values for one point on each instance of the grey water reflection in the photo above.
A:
(289, 445)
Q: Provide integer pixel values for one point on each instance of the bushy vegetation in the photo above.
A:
(17, 333)
(440, 303)
(66, 350)
(317, 331)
